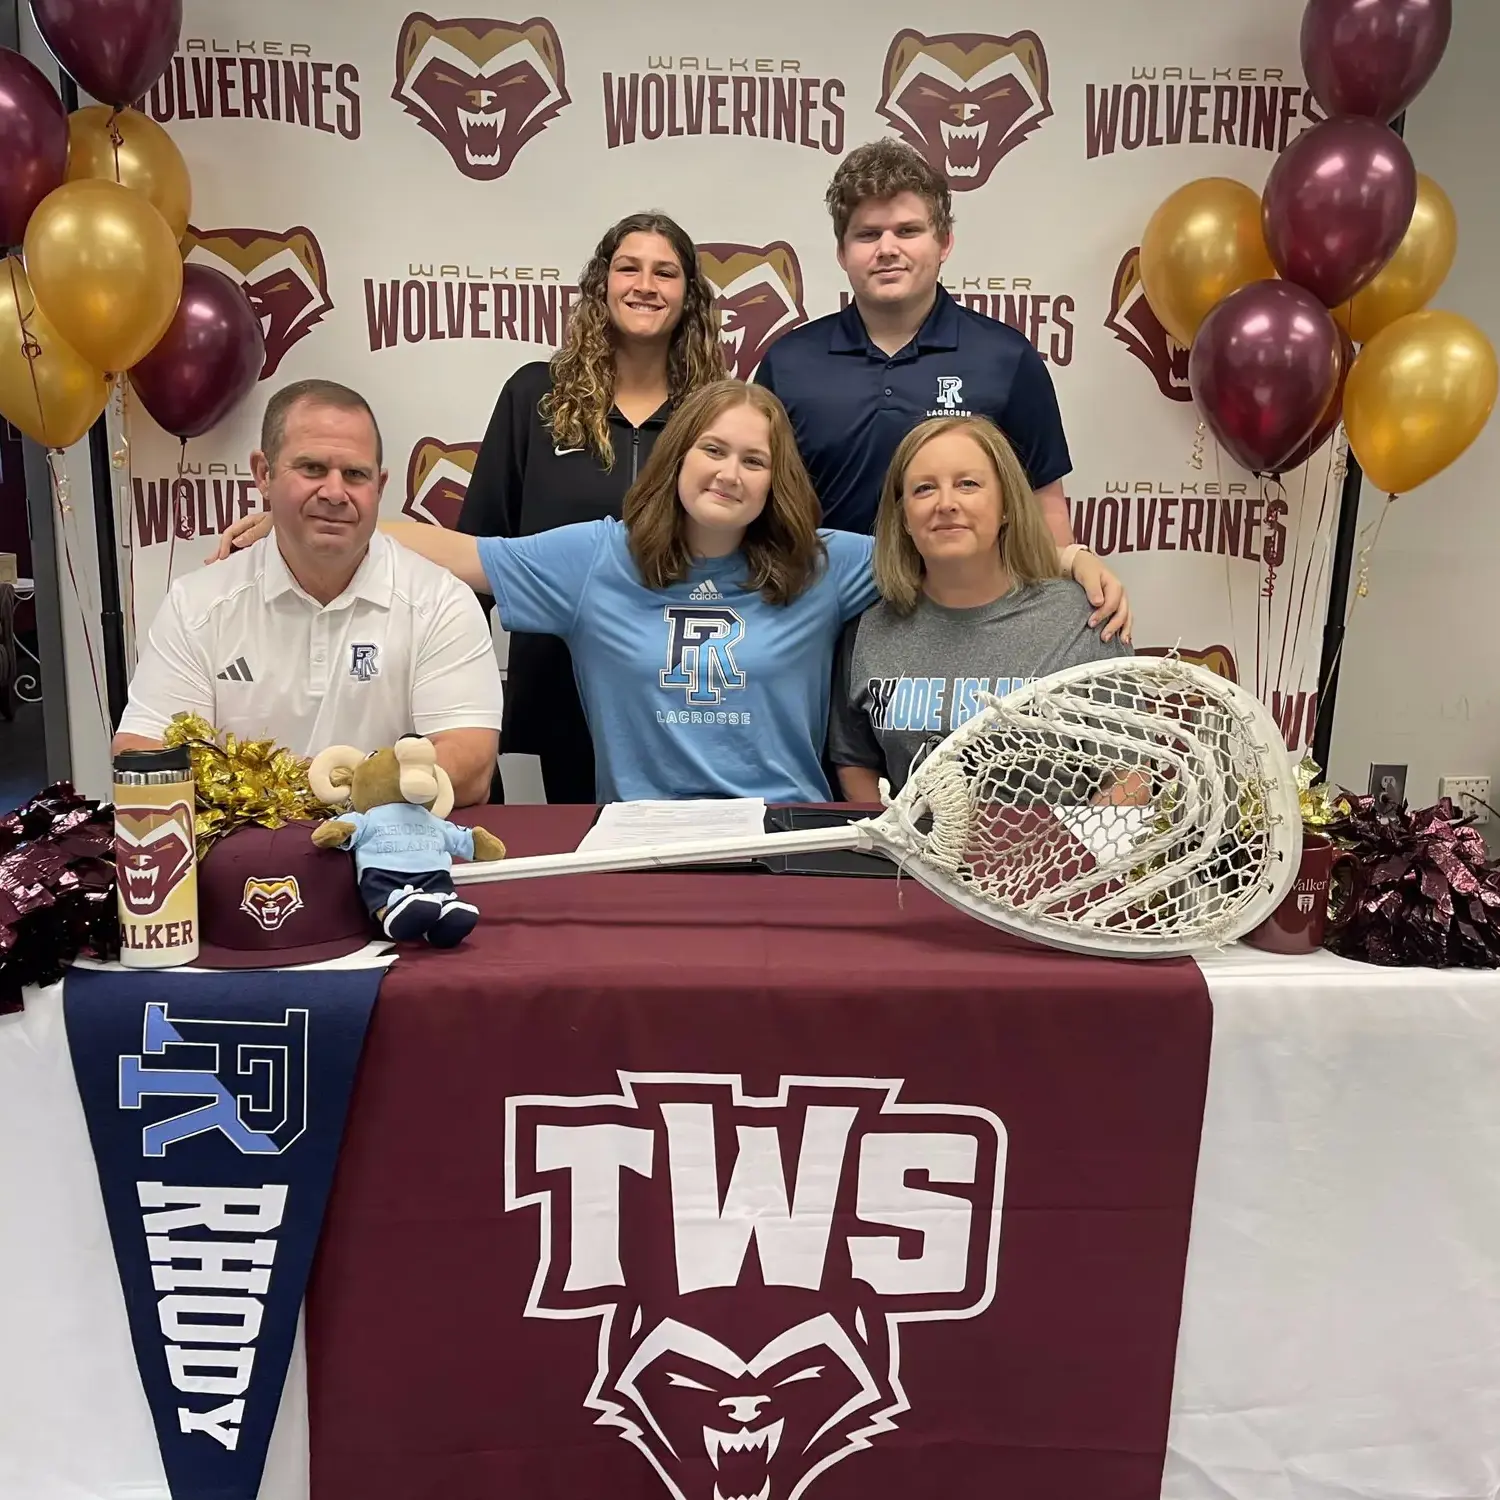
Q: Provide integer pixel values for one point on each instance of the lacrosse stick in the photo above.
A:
(1140, 807)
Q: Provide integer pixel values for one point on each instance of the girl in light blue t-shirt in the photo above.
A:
(702, 626)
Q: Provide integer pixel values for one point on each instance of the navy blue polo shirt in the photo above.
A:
(851, 403)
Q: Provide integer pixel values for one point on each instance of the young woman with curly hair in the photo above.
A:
(570, 435)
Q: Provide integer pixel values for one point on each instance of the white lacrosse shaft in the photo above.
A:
(660, 856)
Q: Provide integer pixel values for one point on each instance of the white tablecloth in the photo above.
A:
(1341, 1327)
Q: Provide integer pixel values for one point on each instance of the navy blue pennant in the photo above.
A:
(215, 1104)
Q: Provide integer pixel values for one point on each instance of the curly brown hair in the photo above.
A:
(881, 169)
(781, 546)
(583, 370)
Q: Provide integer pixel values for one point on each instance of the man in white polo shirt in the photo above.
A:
(325, 632)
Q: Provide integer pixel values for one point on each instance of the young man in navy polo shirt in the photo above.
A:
(856, 382)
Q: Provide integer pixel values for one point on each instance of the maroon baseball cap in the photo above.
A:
(269, 897)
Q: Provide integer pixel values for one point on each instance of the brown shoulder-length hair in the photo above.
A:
(782, 547)
(583, 370)
(1026, 546)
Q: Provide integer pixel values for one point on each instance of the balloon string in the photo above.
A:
(116, 140)
(1291, 634)
(176, 501)
(1361, 591)
(31, 350)
(62, 495)
(124, 511)
(1196, 460)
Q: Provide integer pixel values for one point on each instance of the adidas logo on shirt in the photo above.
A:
(706, 593)
(237, 671)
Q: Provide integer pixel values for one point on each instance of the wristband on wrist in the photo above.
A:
(1068, 555)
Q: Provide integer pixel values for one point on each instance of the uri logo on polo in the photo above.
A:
(751, 1310)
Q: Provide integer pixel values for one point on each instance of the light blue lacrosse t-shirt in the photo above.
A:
(697, 690)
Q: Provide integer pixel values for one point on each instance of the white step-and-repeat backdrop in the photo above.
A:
(409, 198)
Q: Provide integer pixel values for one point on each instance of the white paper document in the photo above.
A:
(634, 825)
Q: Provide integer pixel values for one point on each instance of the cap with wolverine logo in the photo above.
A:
(269, 897)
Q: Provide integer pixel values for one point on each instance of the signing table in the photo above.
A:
(555, 1262)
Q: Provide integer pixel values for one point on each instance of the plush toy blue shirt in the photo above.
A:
(405, 839)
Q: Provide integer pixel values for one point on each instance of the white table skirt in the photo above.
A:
(1341, 1326)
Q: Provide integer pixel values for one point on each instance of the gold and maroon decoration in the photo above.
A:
(93, 206)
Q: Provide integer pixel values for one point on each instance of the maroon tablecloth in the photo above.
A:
(777, 1108)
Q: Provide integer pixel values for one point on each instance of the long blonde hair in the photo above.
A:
(781, 546)
(1026, 546)
(583, 370)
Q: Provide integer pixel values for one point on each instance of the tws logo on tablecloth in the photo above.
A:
(965, 100)
(437, 479)
(284, 275)
(1164, 105)
(1132, 321)
(750, 1374)
(483, 87)
(758, 294)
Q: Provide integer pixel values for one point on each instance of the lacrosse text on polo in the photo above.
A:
(404, 648)
(851, 403)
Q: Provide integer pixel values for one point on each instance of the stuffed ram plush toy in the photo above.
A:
(402, 843)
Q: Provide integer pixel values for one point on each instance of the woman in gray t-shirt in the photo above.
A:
(972, 601)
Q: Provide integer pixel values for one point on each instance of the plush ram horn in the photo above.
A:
(444, 803)
(331, 772)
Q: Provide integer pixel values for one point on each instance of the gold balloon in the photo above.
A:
(145, 158)
(55, 396)
(1418, 395)
(1202, 244)
(105, 268)
(1410, 278)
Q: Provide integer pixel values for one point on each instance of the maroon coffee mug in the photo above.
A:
(1300, 923)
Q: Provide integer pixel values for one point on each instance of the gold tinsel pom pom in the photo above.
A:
(1321, 804)
(242, 782)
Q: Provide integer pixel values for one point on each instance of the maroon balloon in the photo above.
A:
(1336, 205)
(113, 49)
(207, 360)
(1372, 57)
(33, 143)
(1264, 366)
(1333, 413)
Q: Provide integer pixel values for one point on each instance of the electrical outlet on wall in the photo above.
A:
(1469, 794)
(1388, 786)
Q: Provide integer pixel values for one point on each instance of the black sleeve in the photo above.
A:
(492, 503)
(851, 740)
(1033, 422)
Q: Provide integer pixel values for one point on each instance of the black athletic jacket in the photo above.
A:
(522, 484)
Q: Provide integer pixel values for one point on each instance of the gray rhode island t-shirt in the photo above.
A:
(905, 682)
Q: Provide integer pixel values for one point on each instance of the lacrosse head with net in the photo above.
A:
(1141, 807)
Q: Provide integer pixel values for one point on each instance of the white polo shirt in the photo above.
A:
(405, 648)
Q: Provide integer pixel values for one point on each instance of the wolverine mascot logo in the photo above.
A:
(284, 276)
(758, 296)
(152, 854)
(751, 1296)
(437, 478)
(483, 88)
(965, 100)
(1139, 329)
(271, 901)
